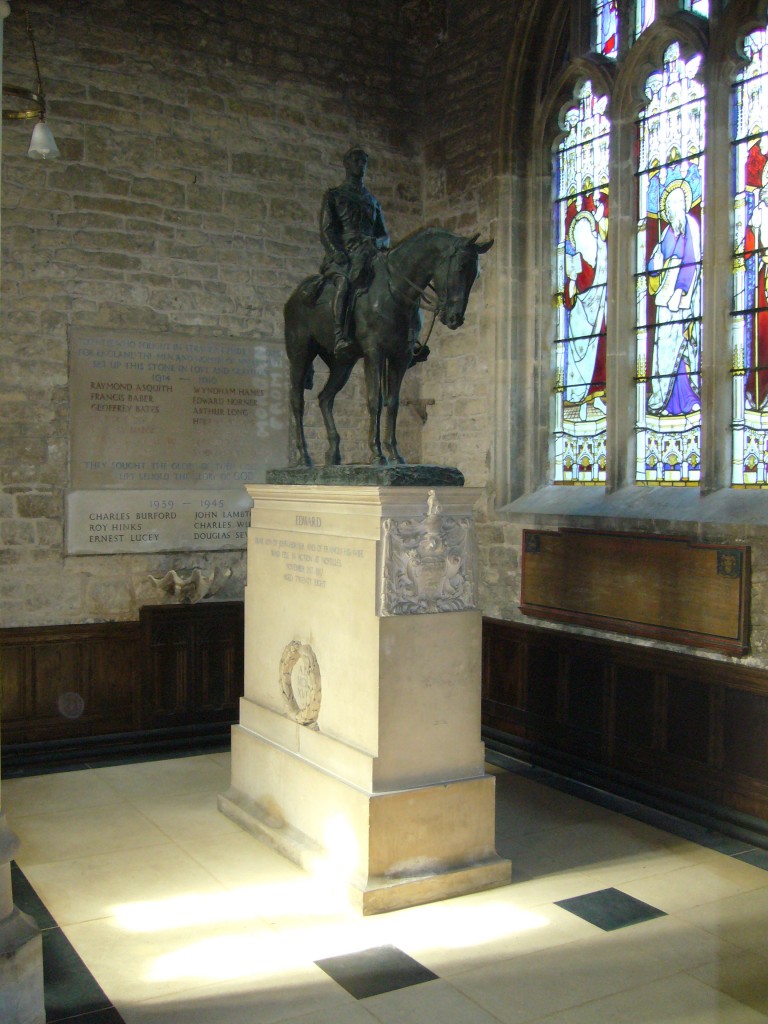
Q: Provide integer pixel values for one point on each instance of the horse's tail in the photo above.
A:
(298, 332)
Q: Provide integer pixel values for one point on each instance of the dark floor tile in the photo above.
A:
(610, 909)
(759, 858)
(109, 1016)
(371, 972)
(729, 845)
(70, 988)
(27, 900)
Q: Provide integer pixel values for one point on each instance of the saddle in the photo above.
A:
(311, 290)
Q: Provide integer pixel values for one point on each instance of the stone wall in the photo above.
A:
(487, 76)
(467, 73)
(196, 140)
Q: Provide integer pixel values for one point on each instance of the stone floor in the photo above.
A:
(156, 909)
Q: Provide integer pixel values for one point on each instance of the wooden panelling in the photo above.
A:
(65, 681)
(745, 733)
(194, 657)
(672, 721)
(632, 707)
(180, 666)
(688, 718)
(640, 584)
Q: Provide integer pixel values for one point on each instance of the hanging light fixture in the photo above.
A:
(28, 104)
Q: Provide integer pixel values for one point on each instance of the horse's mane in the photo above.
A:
(419, 233)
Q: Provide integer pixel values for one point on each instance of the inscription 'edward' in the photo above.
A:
(309, 521)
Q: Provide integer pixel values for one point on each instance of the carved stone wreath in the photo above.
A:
(300, 682)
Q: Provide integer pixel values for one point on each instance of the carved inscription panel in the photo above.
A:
(158, 423)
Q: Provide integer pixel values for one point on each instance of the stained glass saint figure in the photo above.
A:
(581, 225)
(669, 253)
(605, 23)
(750, 321)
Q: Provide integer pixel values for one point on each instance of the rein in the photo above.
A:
(431, 305)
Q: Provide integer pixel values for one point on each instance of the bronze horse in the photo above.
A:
(386, 322)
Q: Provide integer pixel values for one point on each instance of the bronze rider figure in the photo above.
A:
(352, 231)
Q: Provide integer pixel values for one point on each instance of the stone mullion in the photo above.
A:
(621, 353)
(716, 382)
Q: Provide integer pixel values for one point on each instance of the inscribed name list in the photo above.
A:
(173, 412)
(165, 432)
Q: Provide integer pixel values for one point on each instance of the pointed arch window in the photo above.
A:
(696, 6)
(750, 266)
(581, 269)
(657, 338)
(669, 273)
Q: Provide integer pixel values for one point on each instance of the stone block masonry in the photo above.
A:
(197, 141)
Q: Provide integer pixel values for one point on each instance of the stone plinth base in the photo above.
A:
(358, 749)
(392, 849)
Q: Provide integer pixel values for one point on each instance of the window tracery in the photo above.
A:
(666, 418)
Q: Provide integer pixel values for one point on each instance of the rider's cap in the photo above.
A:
(353, 150)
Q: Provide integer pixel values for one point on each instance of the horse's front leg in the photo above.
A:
(337, 378)
(373, 365)
(394, 380)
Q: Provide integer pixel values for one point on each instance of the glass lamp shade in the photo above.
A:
(43, 145)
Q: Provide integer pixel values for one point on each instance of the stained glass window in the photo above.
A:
(581, 229)
(669, 287)
(645, 12)
(605, 23)
(697, 6)
(750, 285)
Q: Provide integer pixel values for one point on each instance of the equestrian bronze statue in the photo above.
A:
(366, 304)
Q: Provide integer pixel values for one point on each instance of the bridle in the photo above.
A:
(432, 305)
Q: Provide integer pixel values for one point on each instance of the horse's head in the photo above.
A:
(454, 277)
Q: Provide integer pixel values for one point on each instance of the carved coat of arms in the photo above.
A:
(428, 563)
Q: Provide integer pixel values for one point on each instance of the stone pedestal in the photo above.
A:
(358, 748)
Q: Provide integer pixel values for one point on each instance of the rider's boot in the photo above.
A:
(342, 345)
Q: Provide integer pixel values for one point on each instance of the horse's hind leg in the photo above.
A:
(337, 378)
(300, 366)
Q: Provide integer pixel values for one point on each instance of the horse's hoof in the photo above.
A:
(377, 460)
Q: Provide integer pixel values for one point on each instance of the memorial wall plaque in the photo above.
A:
(165, 431)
